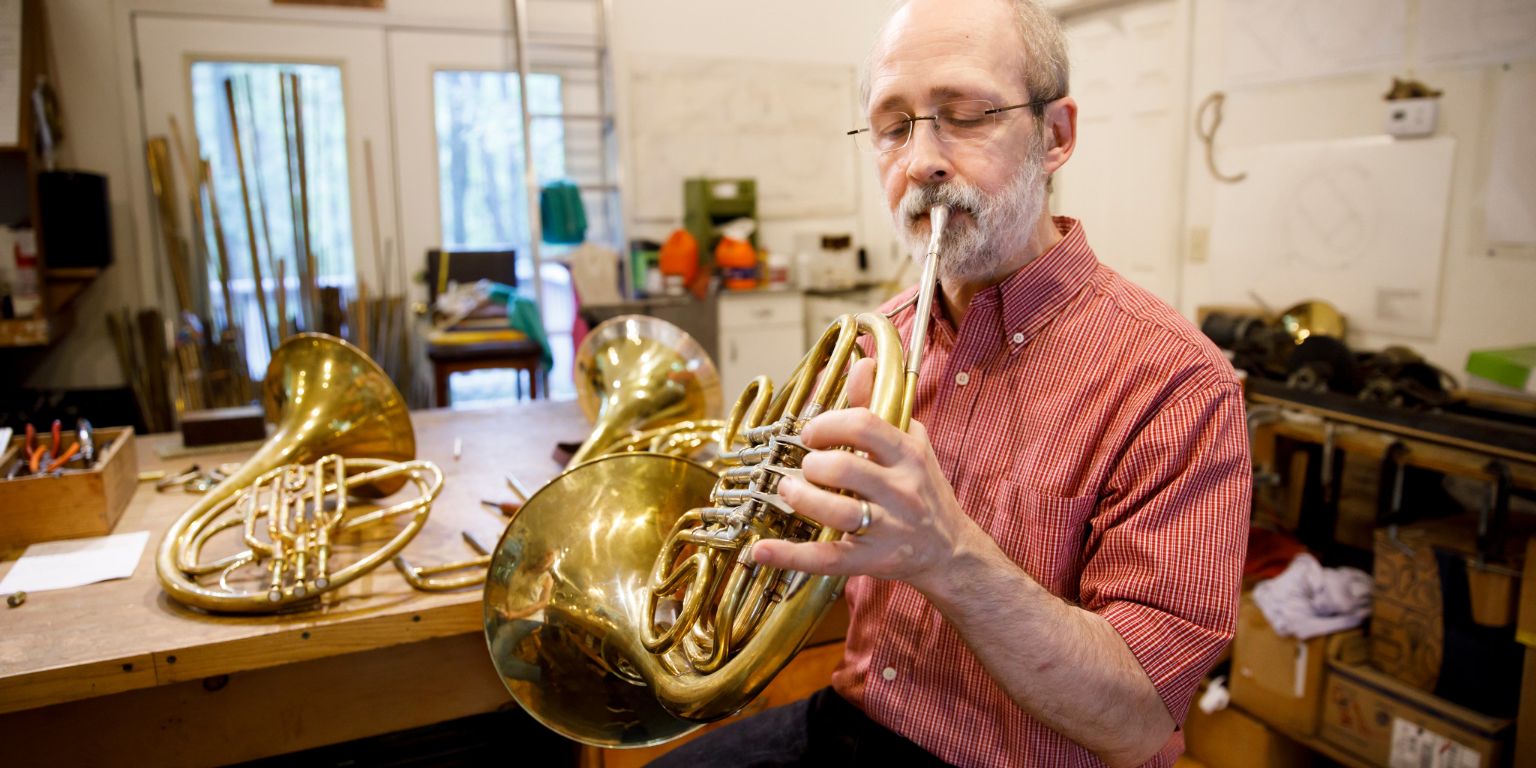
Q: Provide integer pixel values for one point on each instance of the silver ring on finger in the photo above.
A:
(865, 518)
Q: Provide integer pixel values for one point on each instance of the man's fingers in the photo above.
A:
(856, 428)
(830, 558)
(861, 383)
(843, 513)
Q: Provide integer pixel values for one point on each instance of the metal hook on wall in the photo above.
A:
(1213, 105)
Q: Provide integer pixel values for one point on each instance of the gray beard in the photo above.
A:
(973, 251)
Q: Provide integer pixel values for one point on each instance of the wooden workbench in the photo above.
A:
(116, 672)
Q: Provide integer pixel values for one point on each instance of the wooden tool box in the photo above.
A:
(75, 502)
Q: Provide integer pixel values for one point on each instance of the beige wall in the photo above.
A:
(82, 46)
(1484, 301)
(90, 46)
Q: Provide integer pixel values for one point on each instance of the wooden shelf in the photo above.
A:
(1375, 444)
(32, 332)
(63, 274)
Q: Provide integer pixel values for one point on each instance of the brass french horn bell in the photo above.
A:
(342, 430)
(1312, 318)
(636, 373)
(621, 609)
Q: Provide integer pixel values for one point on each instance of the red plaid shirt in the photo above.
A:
(1100, 440)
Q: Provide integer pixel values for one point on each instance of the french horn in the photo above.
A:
(637, 374)
(645, 385)
(621, 608)
(343, 431)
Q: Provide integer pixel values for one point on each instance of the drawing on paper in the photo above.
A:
(781, 124)
(1332, 218)
(1359, 223)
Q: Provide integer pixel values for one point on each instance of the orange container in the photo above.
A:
(680, 256)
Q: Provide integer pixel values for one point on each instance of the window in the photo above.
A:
(483, 199)
(273, 197)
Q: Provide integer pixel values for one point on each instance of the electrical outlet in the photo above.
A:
(1407, 118)
(1199, 245)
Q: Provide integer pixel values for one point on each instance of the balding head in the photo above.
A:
(1033, 42)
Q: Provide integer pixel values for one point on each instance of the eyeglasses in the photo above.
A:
(958, 122)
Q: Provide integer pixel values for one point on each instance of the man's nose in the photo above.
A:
(927, 157)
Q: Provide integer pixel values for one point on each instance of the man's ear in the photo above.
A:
(1060, 120)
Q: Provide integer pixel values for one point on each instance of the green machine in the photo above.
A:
(708, 203)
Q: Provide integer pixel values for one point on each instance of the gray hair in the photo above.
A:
(1046, 67)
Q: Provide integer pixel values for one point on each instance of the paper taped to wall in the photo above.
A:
(1358, 222)
(1476, 31)
(1511, 194)
(783, 124)
(1272, 41)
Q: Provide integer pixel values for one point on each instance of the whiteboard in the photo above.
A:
(1359, 223)
(780, 123)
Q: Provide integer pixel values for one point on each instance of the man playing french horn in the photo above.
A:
(1046, 564)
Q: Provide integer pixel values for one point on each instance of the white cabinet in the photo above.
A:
(761, 333)
(821, 308)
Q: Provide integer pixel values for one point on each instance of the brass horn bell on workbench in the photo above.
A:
(342, 431)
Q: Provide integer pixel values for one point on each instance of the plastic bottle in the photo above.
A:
(25, 296)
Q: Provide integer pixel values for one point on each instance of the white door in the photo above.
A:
(1126, 179)
(459, 149)
(183, 62)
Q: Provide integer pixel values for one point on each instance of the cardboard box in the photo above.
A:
(1525, 626)
(1387, 722)
(1277, 679)
(1232, 738)
(74, 504)
(1407, 624)
(1513, 368)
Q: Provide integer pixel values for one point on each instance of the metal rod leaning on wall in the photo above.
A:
(281, 276)
(220, 245)
(221, 372)
(199, 250)
(295, 226)
(261, 190)
(259, 289)
(230, 344)
(157, 154)
(309, 253)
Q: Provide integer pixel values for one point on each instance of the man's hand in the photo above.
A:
(916, 524)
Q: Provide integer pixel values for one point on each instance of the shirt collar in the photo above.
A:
(1033, 295)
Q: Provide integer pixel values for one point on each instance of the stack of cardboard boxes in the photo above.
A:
(1370, 700)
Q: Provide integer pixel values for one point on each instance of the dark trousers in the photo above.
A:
(820, 730)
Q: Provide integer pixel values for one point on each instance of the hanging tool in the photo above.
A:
(1213, 105)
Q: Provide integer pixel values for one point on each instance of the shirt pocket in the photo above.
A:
(1045, 534)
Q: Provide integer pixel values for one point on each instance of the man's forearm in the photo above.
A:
(1065, 666)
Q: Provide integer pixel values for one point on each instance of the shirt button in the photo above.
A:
(962, 378)
(889, 673)
(1018, 338)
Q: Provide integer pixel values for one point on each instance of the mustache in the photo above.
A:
(959, 197)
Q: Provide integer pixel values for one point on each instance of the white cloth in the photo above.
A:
(1308, 600)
